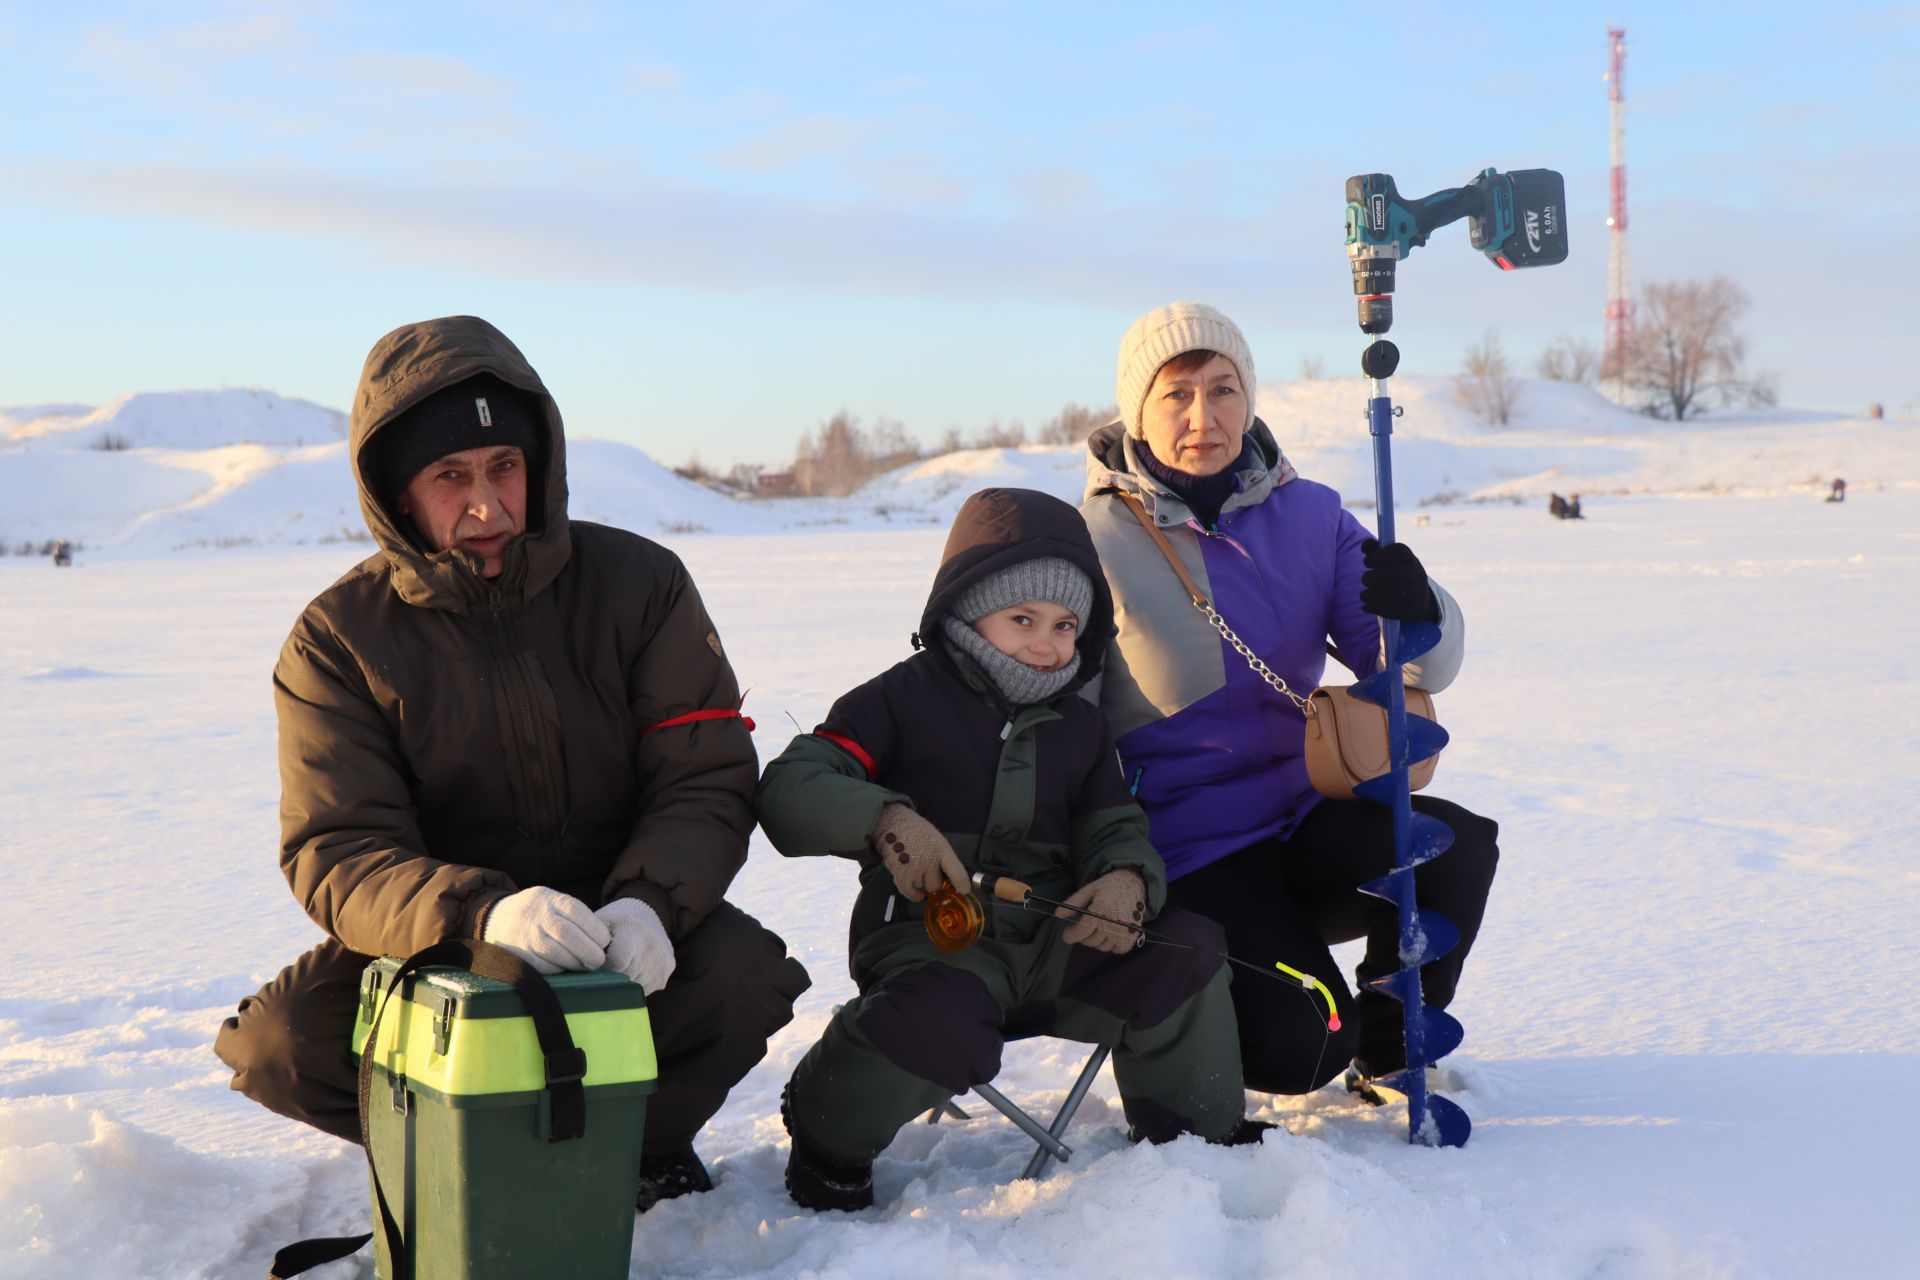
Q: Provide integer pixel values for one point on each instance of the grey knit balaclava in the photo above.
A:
(1050, 578)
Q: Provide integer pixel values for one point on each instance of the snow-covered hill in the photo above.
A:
(178, 420)
(246, 468)
(1571, 439)
(195, 471)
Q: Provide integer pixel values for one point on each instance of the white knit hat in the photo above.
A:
(1166, 332)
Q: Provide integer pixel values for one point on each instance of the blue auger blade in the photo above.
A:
(1416, 638)
(1390, 886)
(1431, 838)
(1398, 984)
(1374, 687)
(1380, 790)
(1438, 936)
(1440, 1034)
(1446, 1125)
(1394, 984)
(1424, 738)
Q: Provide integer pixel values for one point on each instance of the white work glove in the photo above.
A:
(1117, 895)
(915, 852)
(640, 948)
(550, 930)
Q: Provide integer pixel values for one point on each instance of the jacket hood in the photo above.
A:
(998, 528)
(1112, 465)
(406, 367)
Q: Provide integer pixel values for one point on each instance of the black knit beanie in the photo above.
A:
(475, 413)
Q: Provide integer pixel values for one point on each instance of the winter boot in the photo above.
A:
(668, 1175)
(1361, 1086)
(1366, 1084)
(819, 1182)
(1246, 1133)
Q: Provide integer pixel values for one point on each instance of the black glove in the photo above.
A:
(1395, 585)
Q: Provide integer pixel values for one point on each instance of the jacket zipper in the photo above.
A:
(532, 751)
(1006, 732)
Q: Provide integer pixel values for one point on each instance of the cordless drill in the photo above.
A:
(1517, 219)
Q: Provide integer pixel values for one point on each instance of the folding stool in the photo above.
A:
(1025, 1023)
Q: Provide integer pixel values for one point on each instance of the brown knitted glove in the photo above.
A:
(915, 852)
(1117, 895)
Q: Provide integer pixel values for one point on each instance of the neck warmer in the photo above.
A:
(1204, 495)
(1017, 682)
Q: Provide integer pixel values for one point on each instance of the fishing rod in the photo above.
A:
(955, 920)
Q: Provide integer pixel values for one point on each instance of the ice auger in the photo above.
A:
(1517, 221)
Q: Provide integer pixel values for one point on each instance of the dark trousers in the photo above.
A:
(733, 986)
(1290, 900)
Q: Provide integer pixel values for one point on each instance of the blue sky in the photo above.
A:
(710, 226)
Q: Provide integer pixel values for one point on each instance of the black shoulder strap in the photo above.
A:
(566, 1068)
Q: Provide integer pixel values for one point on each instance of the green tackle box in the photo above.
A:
(459, 1119)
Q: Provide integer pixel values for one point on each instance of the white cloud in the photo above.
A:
(792, 143)
(689, 237)
(654, 77)
(262, 77)
(1056, 188)
(429, 75)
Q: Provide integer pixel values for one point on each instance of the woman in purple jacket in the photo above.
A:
(1211, 750)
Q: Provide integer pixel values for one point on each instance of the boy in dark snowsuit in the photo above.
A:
(978, 753)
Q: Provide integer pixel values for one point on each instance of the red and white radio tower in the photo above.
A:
(1619, 305)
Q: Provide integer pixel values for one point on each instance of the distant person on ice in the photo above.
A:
(978, 753)
(509, 726)
(1562, 509)
(1217, 753)
(1839, 491)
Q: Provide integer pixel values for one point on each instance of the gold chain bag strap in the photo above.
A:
(1346, 740)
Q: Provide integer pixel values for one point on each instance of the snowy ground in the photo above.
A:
(1692, 1044)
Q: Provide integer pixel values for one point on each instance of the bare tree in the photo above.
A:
(1762, 391)
(1312, 368)
(891, 444)
(1685, 346)
(835, 461)
(1485, 384)
(1000, 435)
(693, 469)
(1074, 423)
(1570, 359)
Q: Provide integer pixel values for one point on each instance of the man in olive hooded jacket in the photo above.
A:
(511, 726)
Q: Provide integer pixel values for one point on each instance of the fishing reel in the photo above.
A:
(1516, 219)
(954, 918)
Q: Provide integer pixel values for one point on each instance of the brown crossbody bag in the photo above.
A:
(1346, 740)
